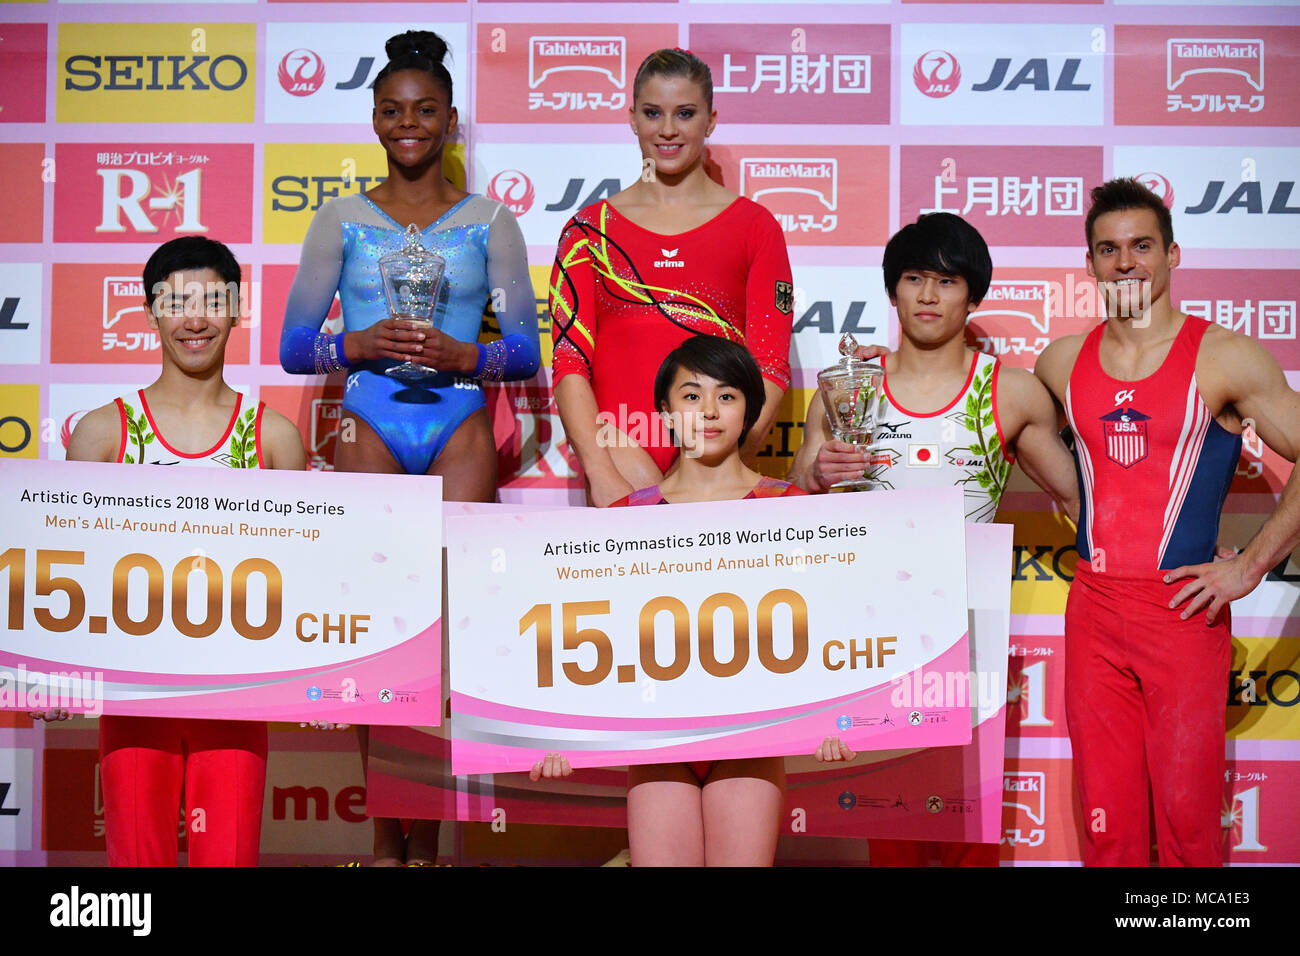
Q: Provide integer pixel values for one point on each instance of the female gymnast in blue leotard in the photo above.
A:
(439, 427)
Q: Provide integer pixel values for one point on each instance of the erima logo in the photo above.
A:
(75, 908)
(669, 261)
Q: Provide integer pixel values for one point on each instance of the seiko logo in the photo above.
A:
(156, 72)
(669, 262)
(818, 170)
(314, 191)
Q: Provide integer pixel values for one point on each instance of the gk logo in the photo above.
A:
(1123, 396)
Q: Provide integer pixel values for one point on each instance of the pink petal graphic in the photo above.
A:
(388, 508)
(414, 578)
(378, 558)
(927, 642)
(502, 650)
(910, 523)
(869, 611)
(903, 576)
(462, 624)
(937, 592)
(400, 624)
(345, 587)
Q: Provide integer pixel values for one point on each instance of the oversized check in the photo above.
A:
(705, 631)
(223, 593)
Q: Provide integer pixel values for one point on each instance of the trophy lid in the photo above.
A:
(412, 256)
(849, 360)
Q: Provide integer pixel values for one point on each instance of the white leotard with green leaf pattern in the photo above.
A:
(961, 444)
(142, 444)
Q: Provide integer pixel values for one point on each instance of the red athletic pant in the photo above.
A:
(146, 763)
(1146, 703)
(917, 853)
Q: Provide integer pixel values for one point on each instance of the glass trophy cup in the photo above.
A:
(412, 277)
(853, 393)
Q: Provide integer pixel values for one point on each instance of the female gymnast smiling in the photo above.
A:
(439, 426)
(722, 812)
(674, 254)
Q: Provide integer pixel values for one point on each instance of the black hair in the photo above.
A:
(940, 242)
(675, 62)
(1120, 194)
(416, 50)
(189, 253)
(728, 362)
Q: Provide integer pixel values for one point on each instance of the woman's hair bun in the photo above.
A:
(416, 42)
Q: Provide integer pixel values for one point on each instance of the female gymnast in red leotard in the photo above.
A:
(722, 812)
(674, 254)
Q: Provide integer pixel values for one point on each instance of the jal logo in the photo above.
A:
(301, 72)
(1125, 430)
(512, 189)
(809, 177)
(577, 187)
(669, 261)
(1034, 74)
(360, 75)
(605, 57)
(1250, 195)
(1229, 57)
(1159, 185)
(820, 317)
(9, 309)
(5, 809)
(937, 73)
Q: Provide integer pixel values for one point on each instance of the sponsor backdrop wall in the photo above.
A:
(127, 124)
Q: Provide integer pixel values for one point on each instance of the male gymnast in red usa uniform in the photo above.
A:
(1157, 401)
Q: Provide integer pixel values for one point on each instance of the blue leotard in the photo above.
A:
(486, 262)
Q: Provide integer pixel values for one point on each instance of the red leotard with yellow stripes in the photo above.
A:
(623, 297)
